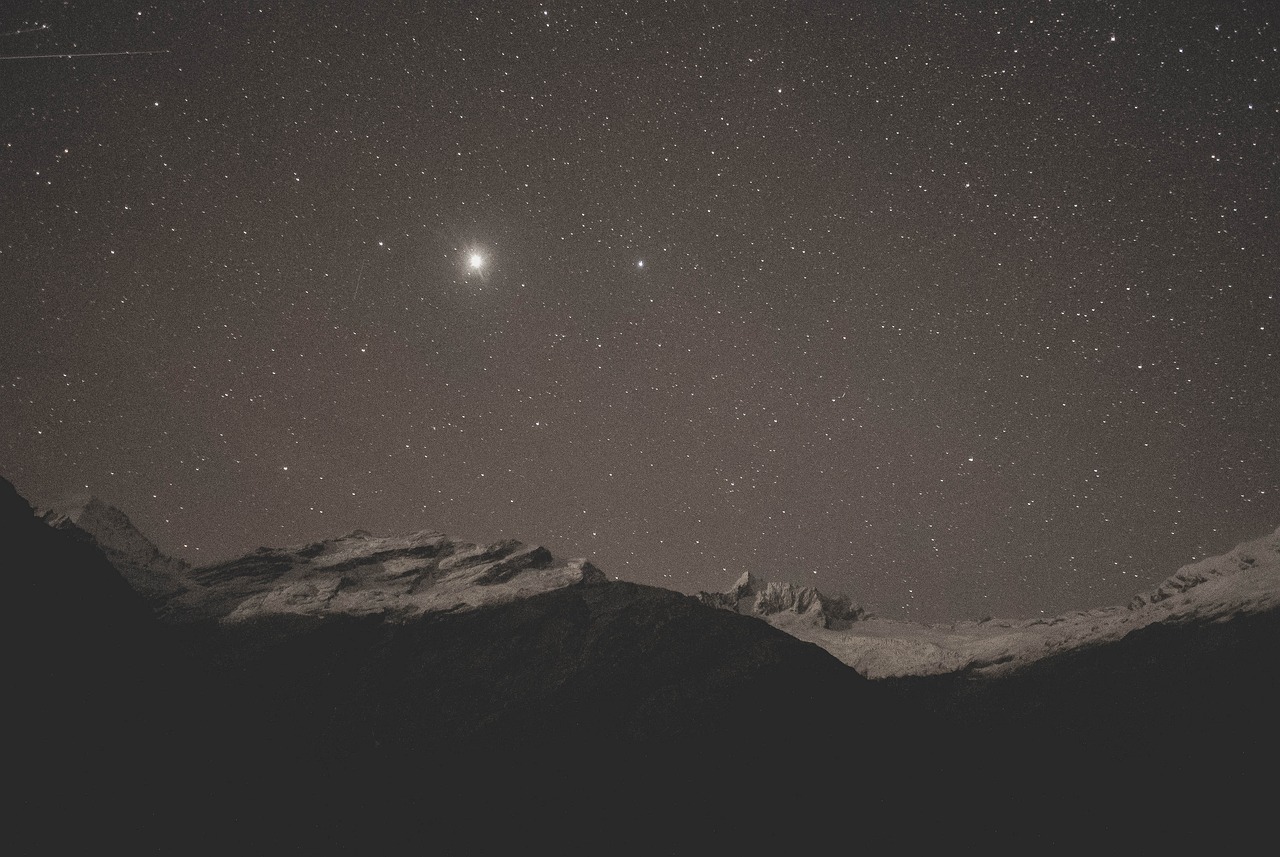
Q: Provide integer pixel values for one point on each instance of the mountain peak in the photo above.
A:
(150, 572)
(744, 586)
(784, 603)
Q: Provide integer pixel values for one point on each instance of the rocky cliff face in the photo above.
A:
(784, 604)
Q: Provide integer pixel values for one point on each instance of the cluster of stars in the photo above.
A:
(961, 311)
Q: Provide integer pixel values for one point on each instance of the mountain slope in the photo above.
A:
(437, 688)
(424, 641)
(367, 692)
(86, 659)
(397, 578)
(1243, 582)
(152, 574)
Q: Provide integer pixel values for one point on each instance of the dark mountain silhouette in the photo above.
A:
(85, 655)
(368, 686)
(417, 691)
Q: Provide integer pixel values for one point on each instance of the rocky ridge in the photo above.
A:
(398, 578)
(785, 604)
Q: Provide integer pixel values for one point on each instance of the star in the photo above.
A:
(484, 283)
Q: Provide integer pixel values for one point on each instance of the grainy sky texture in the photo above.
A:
(959, 308)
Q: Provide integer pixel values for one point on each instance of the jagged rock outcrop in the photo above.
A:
(152, 574)
(784, 603)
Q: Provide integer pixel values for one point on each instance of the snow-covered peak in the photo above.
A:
(150, 572)
(397, 577)
(784, 604)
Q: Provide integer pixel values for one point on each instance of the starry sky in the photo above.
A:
(962, 309)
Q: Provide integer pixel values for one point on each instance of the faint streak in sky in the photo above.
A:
(72, 56)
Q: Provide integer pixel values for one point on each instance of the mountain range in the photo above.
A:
(372, 690)
(1244, 582)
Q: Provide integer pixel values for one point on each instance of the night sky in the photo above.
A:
(961, 309)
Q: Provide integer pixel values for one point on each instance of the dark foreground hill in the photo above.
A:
(504, 697)
(421, 693)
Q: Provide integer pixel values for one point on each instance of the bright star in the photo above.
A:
(476, 261)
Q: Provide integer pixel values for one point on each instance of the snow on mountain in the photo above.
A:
(784, 604)
(396, 577)
(427, 572)
(152, 574)
(1245, 581)
(357, 574)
